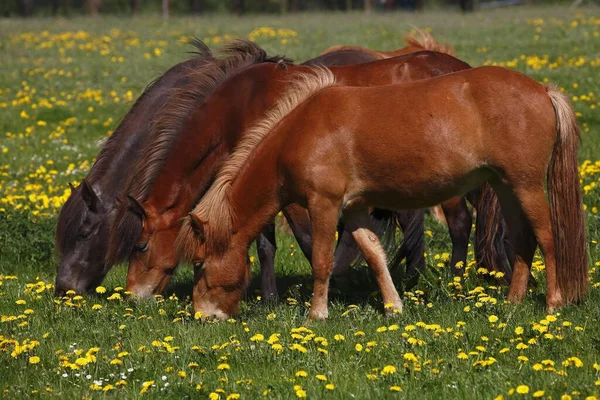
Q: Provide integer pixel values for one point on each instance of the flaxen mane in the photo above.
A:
(427, 42)
(215, 207)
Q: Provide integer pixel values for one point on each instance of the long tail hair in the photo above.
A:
(491, 246)
(566, 203)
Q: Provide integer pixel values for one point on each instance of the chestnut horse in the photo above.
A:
(339, 150)
(490, 248)
(413, 44)
(85, 219)
(201, 140)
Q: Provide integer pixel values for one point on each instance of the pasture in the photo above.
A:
(65, 84)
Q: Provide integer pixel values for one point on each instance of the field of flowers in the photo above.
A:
(65, 84)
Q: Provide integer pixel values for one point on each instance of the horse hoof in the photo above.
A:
(271, 298)
(314, 315)
(393, 310)
(515, 298)
(553, 304)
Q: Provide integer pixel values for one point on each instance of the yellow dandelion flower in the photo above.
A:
(388, 370)
(522, 389)
(34, 360)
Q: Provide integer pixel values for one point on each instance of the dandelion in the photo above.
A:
(223, 367)
(519, 330)
(321, 378)
(522, 389)
(257, 338)
(388, 370)
(493, 319)
(34, 360)
(358, 347)
(395, 388)
(146, 385)
(538, 393)
(100, 290)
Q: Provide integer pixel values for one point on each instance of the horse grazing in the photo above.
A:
(339, 150)
(202, 137)
(85, 219)
(424, 41)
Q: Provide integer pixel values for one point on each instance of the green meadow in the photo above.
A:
(65, 85)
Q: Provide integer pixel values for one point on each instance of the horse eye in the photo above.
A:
(198, 264)
(141, 247)
(83, 235)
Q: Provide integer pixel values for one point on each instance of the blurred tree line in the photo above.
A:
(27, 8)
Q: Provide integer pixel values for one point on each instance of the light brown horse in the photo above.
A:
(424, 41)
(405, 146)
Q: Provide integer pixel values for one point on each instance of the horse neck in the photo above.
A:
(255, 193)
(211, 133)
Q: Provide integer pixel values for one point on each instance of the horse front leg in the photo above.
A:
(324, 214)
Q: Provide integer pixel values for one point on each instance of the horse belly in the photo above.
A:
(410, 177)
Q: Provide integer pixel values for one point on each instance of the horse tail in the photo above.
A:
(490, 232)
(566, 202)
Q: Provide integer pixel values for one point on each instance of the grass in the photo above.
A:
(64, 84)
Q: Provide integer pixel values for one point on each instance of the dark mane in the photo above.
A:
(117, 146)
(165, 127)
(69, 220)
(201, 52)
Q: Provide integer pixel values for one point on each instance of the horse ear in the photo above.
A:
(135, 207)
(197, 225)
(72, 187)
(89, 196)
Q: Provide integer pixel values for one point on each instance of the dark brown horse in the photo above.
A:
(201, 140)
(340, 150)
(85, 219)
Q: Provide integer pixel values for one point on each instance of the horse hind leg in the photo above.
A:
(536, 208)
(518, 212)
(459, 226)
(266, 247)
(412, 224)
(363, 230)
